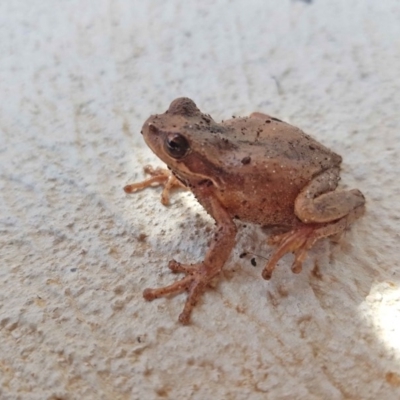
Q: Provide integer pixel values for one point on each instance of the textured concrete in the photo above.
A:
(77, 80)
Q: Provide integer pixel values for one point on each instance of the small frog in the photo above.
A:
(257, 169)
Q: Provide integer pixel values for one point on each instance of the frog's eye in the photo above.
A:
(176, 145)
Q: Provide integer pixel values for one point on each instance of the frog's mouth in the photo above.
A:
(190, 179)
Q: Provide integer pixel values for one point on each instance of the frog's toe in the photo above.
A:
(298, 241)
(159, 177)
(175, 288)
(277, 238)
(301, 252)
(196, 290)
(297, 266)
(195, 283)
(177, 267)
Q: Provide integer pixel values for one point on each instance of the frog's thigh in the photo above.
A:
(319, 201)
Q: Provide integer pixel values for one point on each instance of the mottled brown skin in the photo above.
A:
(256, 169)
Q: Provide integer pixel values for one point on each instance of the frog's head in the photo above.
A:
(168, 134)
(187, 140)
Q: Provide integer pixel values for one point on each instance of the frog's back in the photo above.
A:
(277, 161)
(272, 139)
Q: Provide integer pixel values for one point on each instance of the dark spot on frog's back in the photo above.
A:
(246, 160)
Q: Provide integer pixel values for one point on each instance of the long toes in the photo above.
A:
(195, 291)
(299, 256)
(278, 238)
(301, 252)
(134, 187)
(148, 169)
(290, 242)
(184, 317)
(149, 294)
(175, 288)
(165, 197)
(267, 273)
(299, 241)
(269, 268)
(297, 266)
(175, 266)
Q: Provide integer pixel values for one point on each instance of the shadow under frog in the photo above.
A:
(257, 169)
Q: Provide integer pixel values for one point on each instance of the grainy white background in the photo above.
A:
(77, 80)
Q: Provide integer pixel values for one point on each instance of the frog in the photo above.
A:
(256, 169)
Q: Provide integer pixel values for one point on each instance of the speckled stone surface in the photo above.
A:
(77, 81)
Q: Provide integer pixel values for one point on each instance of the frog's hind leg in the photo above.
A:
(301, 240)
(159, 176)
(324, 212)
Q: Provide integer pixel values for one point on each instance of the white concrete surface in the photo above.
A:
(77, 80)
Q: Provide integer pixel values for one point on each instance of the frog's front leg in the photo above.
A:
(159, 176)
(324, 212)
(198, 276)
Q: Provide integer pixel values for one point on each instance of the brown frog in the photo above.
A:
(257, 169)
